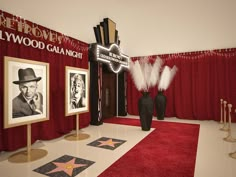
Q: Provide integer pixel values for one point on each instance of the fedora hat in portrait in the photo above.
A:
(26, 75)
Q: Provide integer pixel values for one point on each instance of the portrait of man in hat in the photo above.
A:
(29, 101)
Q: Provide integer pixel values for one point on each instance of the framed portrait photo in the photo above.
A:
(77, 90)
(26, 91)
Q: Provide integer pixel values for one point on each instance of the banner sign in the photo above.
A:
(113, 57)
(18, 30)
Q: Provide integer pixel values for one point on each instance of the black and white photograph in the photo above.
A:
(76, 90)
(26, 91)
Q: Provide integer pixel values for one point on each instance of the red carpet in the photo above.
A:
(169, 151)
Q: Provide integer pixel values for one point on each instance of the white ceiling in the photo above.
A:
(146, 27)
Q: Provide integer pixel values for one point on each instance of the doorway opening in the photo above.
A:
(108, 93)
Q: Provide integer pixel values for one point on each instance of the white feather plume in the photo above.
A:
(131, 66)
(137, 75)
(155, 72)
(172, 73)
(146, 73)
(167, 76)
(164, 78)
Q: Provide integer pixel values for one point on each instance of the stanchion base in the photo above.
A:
(224, 129)
(233, 155)
(23, 156)
(229, 139)
(75, 137)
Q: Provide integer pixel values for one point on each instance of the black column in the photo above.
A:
(121, 94)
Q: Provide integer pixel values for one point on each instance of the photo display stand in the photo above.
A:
(28, 155)
(77, 88)
(77, 136)
(19, 71)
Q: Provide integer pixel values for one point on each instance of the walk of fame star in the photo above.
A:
(67, 167)
(64, 166)
(107, 143)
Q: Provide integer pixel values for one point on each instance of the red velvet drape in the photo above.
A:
(59, 124)
(203, 78)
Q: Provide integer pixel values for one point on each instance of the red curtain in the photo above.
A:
(58, 125)
(203, 78)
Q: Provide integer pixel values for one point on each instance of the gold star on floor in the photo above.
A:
(108, 142)
(67, 167)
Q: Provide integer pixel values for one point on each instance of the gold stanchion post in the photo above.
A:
(224, 128)
(221, 111)
(229, 138)
(233, 154)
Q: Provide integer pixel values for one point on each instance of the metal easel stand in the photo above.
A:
(28, 155)
(77, 136)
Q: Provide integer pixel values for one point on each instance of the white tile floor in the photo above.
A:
(212, 155)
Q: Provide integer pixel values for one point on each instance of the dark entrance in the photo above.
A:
(108, 93)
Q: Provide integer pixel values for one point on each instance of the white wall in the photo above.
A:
(146, 27)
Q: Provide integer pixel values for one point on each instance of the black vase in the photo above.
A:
(160, 102)
(145, 107)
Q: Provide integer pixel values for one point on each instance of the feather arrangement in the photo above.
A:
(144, 74)
(166, 78)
